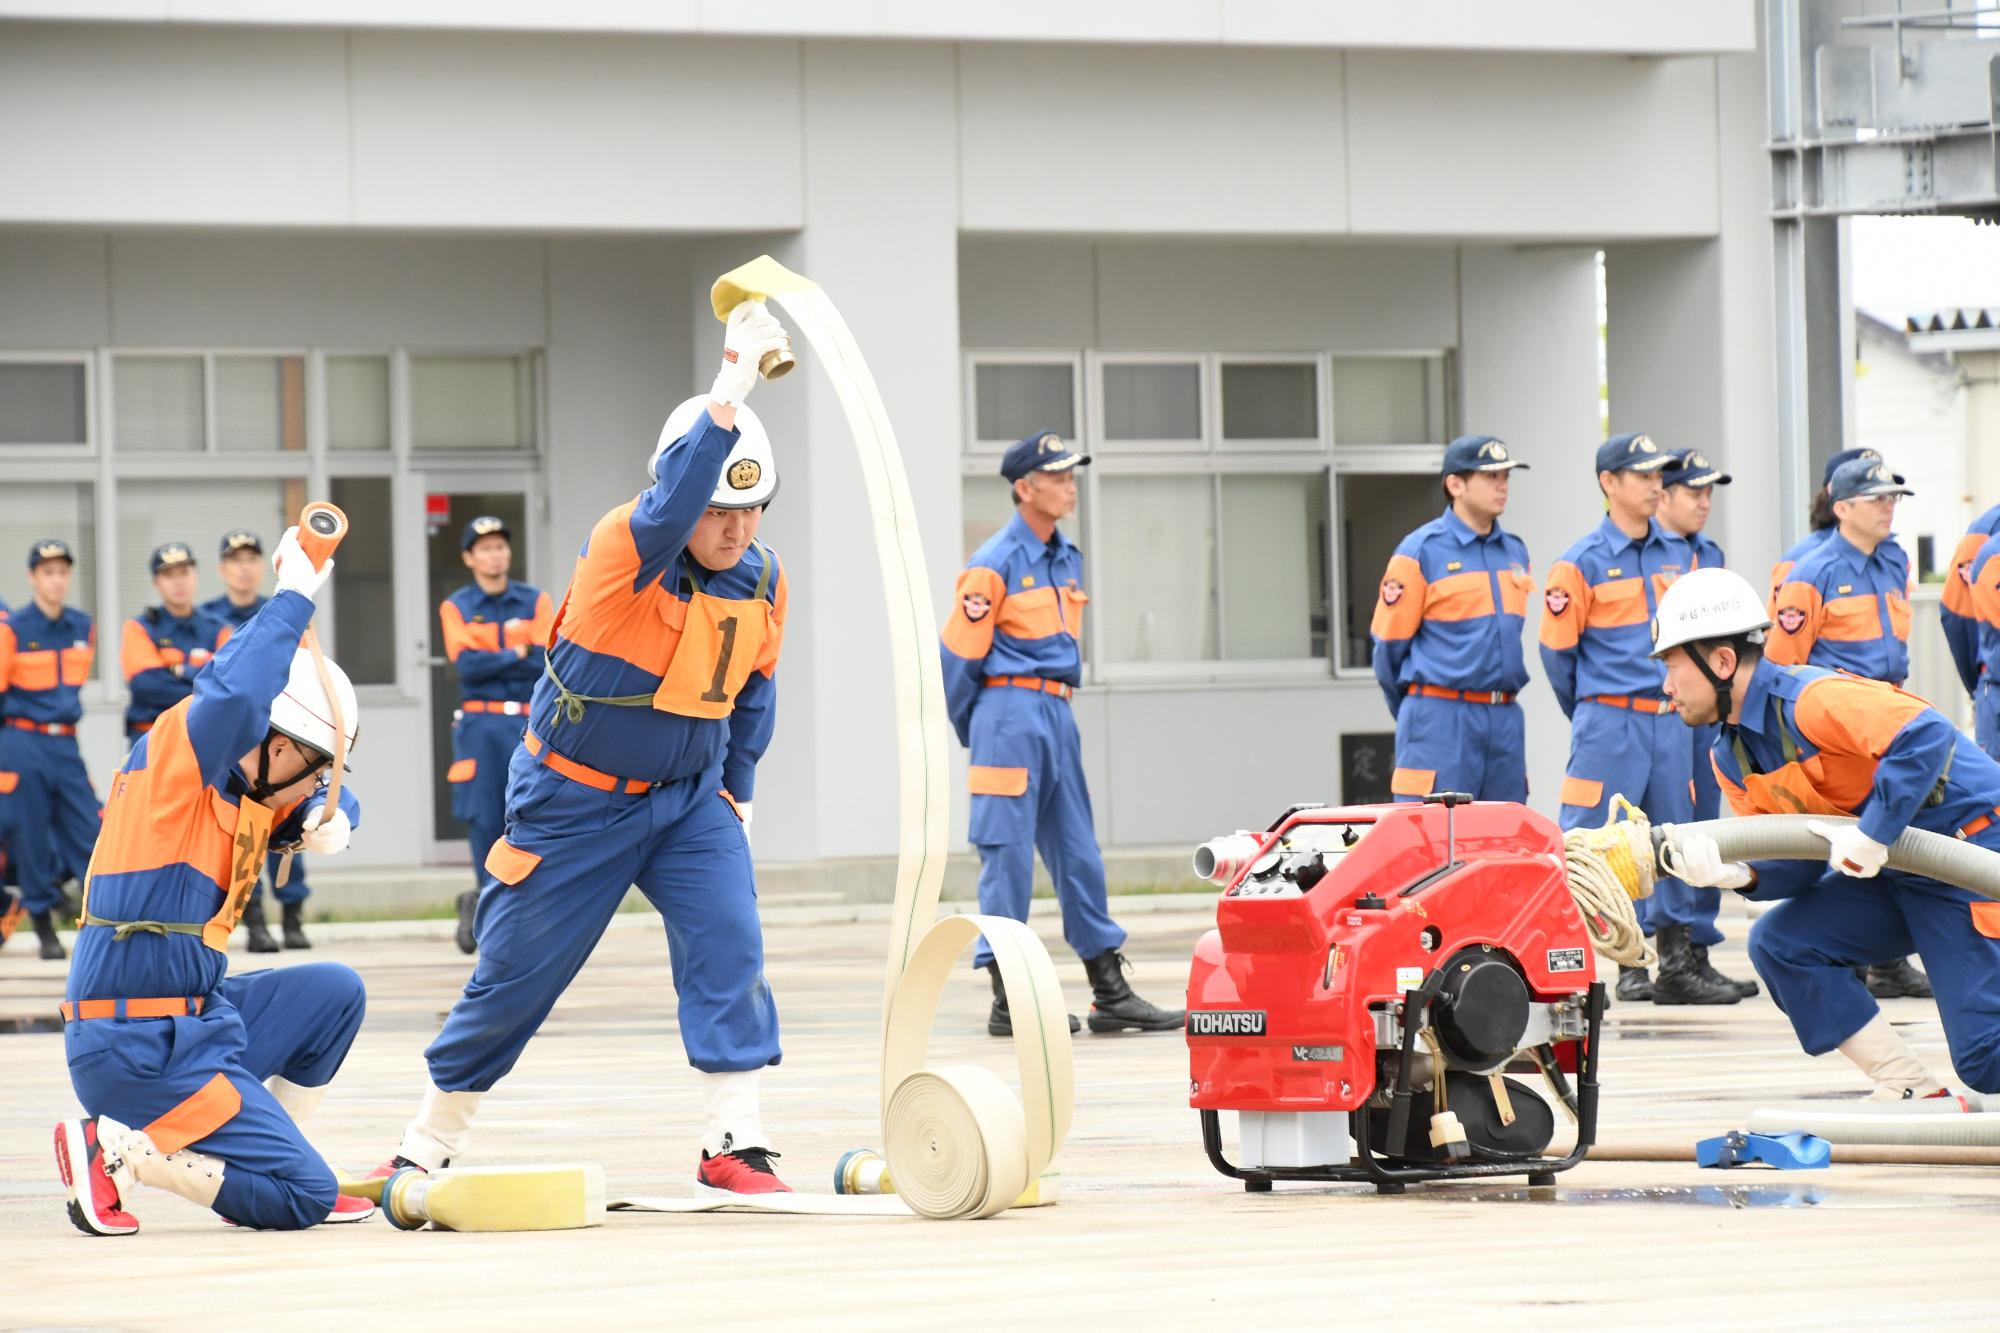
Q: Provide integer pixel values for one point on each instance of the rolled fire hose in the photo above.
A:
(959, 1143)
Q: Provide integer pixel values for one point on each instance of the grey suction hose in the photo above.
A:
(1787, 838)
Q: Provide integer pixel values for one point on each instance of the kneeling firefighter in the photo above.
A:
(1806, 740)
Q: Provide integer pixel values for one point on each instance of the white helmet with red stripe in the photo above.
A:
(304, 713)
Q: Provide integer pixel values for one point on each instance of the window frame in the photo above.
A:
(1322, 436)
(972, 361)
(88, 449)
(1441, 399)
(1095, 362)
(534, 412)
(211, 446)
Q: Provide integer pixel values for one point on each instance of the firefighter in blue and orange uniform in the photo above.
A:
(1623, 741)
(1012, 659)
(1985, 583)
(164, 646)
(241, 564)
(48, 809)
(1961, 619)
(193, 1081)
(1447, 632)
(496, 633)
(1806, 740)
(1820, 522)
(655, 705)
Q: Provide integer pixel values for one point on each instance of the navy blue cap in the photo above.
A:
(1833, 464)
(1692, 468)
(170, 555)
(241, 539)
(486, 525)
(1631, 453)
(1044, 451)
(49, 548)
(1859, 479)
(1477, 453)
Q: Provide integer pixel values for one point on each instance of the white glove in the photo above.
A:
(1699, 862)
(753, 331)
(1850, 851)
(295, 568)
(326, 835)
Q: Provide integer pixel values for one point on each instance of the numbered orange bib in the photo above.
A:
(246, 862)
(720, 642)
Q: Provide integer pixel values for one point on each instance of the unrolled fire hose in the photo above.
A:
(1613, 866)
(958, 1142)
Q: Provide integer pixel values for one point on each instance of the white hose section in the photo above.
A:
(1787, 838)
(957, 1141)
(1930, 1129)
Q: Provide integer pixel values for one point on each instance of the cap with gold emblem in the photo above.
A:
(1691, 467)
(749, 475)
(1044, 451)
(1477, 453)
(1859, 479)
(1632, 453)
(241, 539)
(170, 555)
(49, 548)
(486, 525)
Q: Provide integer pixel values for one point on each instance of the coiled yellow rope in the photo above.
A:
(1609, 869)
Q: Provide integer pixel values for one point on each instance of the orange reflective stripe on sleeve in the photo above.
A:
(137, 652)
(1399, 602)
(1957, 585)
(976, 604)
(1795, 623)
(198, 1117)
(1565, 605)
(1616, 603)
(1465, 596)
(1779, 573)
(459, 636)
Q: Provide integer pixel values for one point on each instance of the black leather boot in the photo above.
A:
(1114, 1005)
(260, 933)
(1000, 1023)
(1744, 988)
(295, 927)
(1635, 984)
(468, 906)
(45, 931)
(1680, 981)
(1899, 980)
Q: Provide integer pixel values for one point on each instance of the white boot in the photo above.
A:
(132, 1158)
(298, 1100)
(442, 1129)
(731, 1118)
(1895, 1070)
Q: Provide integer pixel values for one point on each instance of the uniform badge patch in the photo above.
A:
(1791, 619)
(1557, 600)
(1392, 591)
(744, 473)
(1965, 573)
(975, 605)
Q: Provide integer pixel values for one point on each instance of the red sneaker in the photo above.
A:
(94, 1204)
(744, 1171)
(349, 1208)
(369, 1187)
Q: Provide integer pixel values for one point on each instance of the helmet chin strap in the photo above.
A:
(263, 789)
(1722, 684)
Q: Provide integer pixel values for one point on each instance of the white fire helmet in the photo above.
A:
(750, 473)
(303, 712)
(1708, 604)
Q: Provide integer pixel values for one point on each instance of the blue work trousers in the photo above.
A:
(292, 1022)
(1806, 949)
(1468, 747)
(1029, 737)
(482, 745)
(49, 814)
(1986, 716)
(570, 853)
(1646, 758)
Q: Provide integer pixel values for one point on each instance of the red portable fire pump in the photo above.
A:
(1373, 974)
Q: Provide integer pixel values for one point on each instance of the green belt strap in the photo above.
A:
(124, 930)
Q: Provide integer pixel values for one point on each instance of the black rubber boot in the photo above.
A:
(1115, 1007)
(999, 1023)
(1744, 988)
(468, 906)
(1635, 984)
(260, 933)
(1899, 980)
(45, 931)
(295, 927)
(1680, 981)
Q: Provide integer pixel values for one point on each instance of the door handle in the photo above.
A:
(433, 661)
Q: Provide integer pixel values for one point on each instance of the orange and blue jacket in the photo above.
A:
(1961, 617)
(1450, 610)
(481, 631)
(1017, 611)
(1864, 748)
(160, 654)
(1985, 580)
(624, 629)
(1840, 608)
(1597, 613)
(169, 849)
(44, 664)
(1789, 561)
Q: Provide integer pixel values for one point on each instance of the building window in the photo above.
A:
(1014, 399)
(987, 505)
(159, 404)
(1156, 578)
(32, 511)
(460, 403)
(1377, 510)
(194, 403)
(1153, 401)
(1389, 400)
(1271, 402)
(357, 403)
(260, 404)
(45, 402)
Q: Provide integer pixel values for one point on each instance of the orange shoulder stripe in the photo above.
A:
(1565, 604)
(1399, 601)
(1958, 591)
(1795, 616)
(977, 602)
(136, 650)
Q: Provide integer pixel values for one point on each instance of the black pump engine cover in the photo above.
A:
(1483, 1010)
(1470, 1097)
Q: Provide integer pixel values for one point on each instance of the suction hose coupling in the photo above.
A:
(1220, 860)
